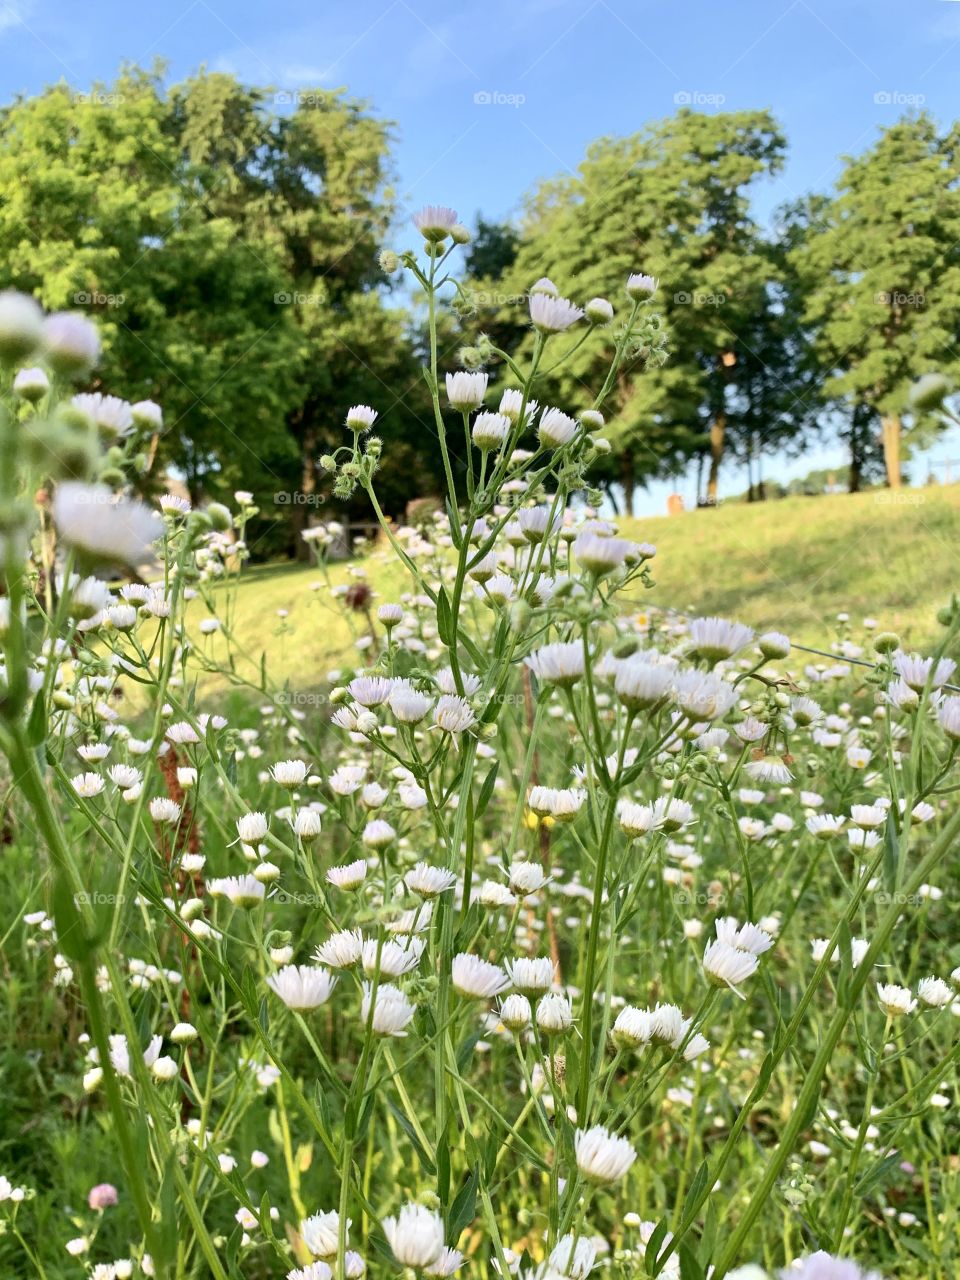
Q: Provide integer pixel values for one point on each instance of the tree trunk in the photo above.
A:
(891, 449)
(718, 429)
(305, 508)
(856, 468)
(629, 483)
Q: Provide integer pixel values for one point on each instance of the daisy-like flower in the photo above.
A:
(241, 891)
(641, 685)
(164, 810)
(490, 430)
(312, 1271)
(774, 644)
(252, 827)
(31, 384)
(124, 775)
(640, 285)
(453, 714)
(306, 825)
(378, 834)
(289, 773)
(477, 979)
(602, 1158)
(360, 417)
(511, 403)
(562, 804)
(87, 785)
(71, 343)
(747, 937)
(633, 1028)
(526, 878)
(465, 391)
(341, 950)
(389, 958)
(858, 949)
(553, 314)
(703, 695)
(93, 519)
(727, 966)
(515, 1012)
(351, 875)
(429, 882)
(112, 416)
(599, 554)
(435, 221)
(536, 523)
(392, 1011)
(718, 638)
(915, 671)
(561, 664)
(120, 1053)
(949, 717)
(556, 428)
(182, 734)
(934, 993)
(824, 825)
(321, 1233)
(302, 986)
(771, 769)
(895, 1001)
(415, 1236)
(554, 1015)
(409, 705)
(370, 691)
(824, 1266)
(532, 976)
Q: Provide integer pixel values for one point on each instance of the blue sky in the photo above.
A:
(489, 98)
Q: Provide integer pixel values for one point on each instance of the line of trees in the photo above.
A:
(228, 240)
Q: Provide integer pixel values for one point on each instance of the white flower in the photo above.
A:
(92, 518)
(392, 1011)
(949, 717)
(602, 1157)
(301, 986)
(515, 1012)
(556, 428)
(415, 1235)
(747, 937)
(378, 834)
(559, 663)
(573, 1257)
(21, 325)
(823, 1266)
(934, 992)
(895, 1000)
(120, 1053)
(477, 978)
(391, 615)
(453, 714)
(561, 804)
(87, 785)
(306, 825)
(553, 315)
(511, 403)
(449, 1262)
(241, 891)
(428, 881)
(360, 417)
(727, 965)
(31, 384)
(490, 430)
(554, 1015)
(110, 414)
(165, 1069)
(321, 1233)
(598, 311)
(435, 221)
(164, 810)
(633, 1028)
(252, 827)
(600, 554)
(350, 876)
(289, 773)
(465, 391)
(774, 644)
(716, 638)
(409, 705)
(639, 285)
(341, 950)
(532, 976)
(771, 770)
(71, 341)
(640, 684)
(824, 825)
(389, 958)
(915, 671)
(370, 691)
(526, 878)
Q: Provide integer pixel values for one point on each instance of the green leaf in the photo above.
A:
(464, 1207)
(486, 790)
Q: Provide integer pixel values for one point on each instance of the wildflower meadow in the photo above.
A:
(555, 933)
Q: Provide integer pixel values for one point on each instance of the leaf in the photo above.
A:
(486, 790)
(653, 1247)
(464, 1207)
(444, 618)
(697, 1188)
(37, 724)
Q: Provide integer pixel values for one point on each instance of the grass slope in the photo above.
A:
(790, 565)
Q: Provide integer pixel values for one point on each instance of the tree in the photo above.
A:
(673, 201)
(881, 262)
(230, 253)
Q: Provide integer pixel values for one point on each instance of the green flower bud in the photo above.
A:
(886, 642)
(220, 516)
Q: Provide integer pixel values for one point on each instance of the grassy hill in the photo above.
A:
(791, 564)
